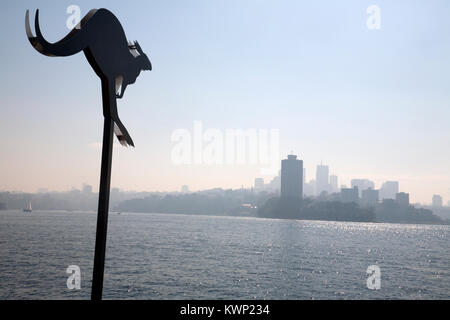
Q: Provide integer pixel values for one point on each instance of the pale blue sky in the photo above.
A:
(370, 103)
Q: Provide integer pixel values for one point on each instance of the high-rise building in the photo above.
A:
(369, 197)
(402, 199)
(350, 195)
(322, 183)
(292, 177)
(362, 184)
(259, 184)
(388, 190)
(436, 201)
(184, 189)
(334, 183)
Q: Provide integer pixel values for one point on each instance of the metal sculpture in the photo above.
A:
(118, 63)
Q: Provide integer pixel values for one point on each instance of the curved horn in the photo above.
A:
(69, 45)
(31, 37)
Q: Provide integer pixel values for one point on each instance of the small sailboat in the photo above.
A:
(29, 209)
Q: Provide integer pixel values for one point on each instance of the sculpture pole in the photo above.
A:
(103, 196)
(118, 63)
(103, 208)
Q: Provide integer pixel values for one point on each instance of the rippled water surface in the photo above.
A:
(161, 256)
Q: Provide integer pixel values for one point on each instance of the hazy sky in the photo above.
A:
(369, 103)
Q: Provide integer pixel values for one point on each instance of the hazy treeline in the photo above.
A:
(208, 202)
(70, 200)
(214, 201)
(316, 209)
(443, 212)
(49, 201)
(308, 209)
(390, 211)
(239, 202)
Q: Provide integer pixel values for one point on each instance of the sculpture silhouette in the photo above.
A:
(118, 63)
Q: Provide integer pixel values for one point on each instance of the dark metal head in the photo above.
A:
(102, 39)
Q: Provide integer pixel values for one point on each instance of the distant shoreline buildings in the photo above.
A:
(291, 182)
(320, 195)
(360, 202)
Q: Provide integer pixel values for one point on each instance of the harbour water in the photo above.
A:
(164, 256)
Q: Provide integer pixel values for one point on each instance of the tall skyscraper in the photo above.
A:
(437, 201)
(322, 184)
(292, 177)
(388, 190)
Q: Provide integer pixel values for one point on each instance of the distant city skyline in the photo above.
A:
(366, 191)
(274, 182)
(274, 185)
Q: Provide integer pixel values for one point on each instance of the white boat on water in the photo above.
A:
(29, 209)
